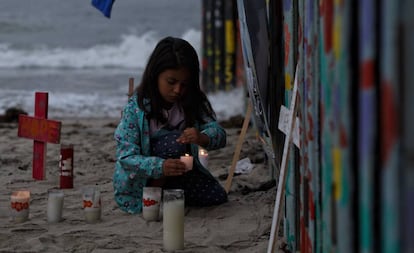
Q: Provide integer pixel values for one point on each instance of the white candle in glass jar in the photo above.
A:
(203, 157)
(55, 205)
(173, 224)
(92, 204)
(188, 160)
(151, 199)
(20, 203)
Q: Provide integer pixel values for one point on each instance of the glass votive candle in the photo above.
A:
(20, 205)
(173, 219)
(55, 205)
(91, 197)
(151, 200)
(188, 160)
(203, 157)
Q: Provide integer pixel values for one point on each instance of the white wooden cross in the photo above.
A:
(290, 127)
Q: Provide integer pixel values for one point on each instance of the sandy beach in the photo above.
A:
(241, 225)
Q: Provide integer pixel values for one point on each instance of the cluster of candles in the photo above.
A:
(202, 157)
(20, 205)
(173, 205)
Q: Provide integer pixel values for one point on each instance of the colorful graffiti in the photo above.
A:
(344, 186)
(349, 187)
(221, 46)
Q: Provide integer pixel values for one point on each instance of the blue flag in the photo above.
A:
(105, 6)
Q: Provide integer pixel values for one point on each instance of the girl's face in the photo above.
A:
(172, 84)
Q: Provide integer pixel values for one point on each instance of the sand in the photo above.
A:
(241, 225)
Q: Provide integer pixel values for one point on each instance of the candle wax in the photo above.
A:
(151, 214)
(20, 202)
(173, 225)
(188, 160)
(55, 206)
(92, 214)
(203, 157)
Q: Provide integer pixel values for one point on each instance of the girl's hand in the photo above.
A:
(173, 167)
(192, 135)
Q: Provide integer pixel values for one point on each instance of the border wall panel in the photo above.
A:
(292, 195)
(407, 138)
(327, 130)
(367, 124)
(390, 142)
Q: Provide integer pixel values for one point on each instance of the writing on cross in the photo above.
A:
(41, 131)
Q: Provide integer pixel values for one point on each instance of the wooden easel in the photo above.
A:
(283, 168)
(239, 146)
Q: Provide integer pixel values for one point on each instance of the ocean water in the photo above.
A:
(83, 59)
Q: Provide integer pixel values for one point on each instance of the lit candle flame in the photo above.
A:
(202, 152)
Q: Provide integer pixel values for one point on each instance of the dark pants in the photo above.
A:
(199, 189)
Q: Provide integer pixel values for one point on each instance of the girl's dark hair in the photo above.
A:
(174, 53)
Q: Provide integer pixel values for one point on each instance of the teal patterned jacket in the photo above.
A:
(134, 163)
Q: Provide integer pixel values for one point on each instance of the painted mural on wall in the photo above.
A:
(289, 58)
(349, 187)
(221, 56)
(367, 123)
(343, 191)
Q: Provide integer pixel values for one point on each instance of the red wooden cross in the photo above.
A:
(41, 130)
